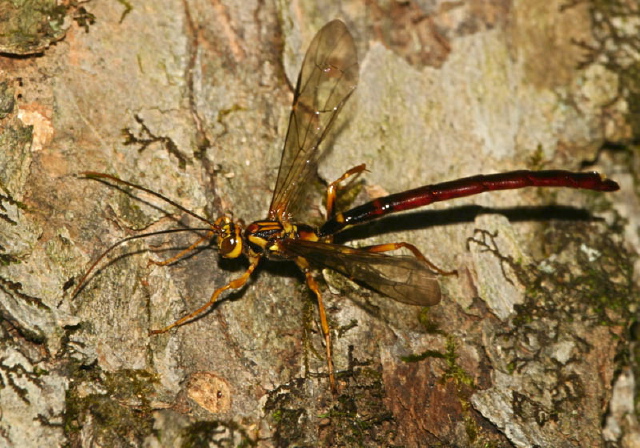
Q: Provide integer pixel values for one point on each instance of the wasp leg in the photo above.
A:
(413, 249)
(234, 284)
(333, 187)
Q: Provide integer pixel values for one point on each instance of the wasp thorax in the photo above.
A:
(230, 239)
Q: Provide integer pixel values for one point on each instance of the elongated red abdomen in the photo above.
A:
(467, 186)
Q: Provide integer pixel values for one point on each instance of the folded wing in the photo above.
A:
(403, 278)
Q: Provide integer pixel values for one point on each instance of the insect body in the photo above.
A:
(328, 76)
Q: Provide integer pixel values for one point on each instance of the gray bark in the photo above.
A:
(531, 337)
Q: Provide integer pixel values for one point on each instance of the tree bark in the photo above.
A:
(191, 100)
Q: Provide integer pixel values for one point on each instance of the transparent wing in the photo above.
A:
(328, 76)
(405, 279)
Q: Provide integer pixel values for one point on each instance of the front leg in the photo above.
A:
(234, 284)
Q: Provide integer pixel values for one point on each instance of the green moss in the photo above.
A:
(417, 357)
(288, 415)
(587, 283)
(7, 99)
(454, 371)
(430, 326)
(356, 417)
(84, 18)
(15, 139)
(215, 434)
(116, 403)
(30, 26)
(342, 330)
(598, 281)
(277, 416)
(128, 7)
(536, 160)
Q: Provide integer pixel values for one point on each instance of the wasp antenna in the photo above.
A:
(102, 176)
(83, 280)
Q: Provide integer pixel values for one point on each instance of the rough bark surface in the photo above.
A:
(191, 99)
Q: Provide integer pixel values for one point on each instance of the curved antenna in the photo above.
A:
(99, 176)
(82, 281)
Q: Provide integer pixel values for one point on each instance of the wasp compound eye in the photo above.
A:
(230, 246)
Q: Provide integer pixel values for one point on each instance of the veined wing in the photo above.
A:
(328, 76)
(403, 278)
